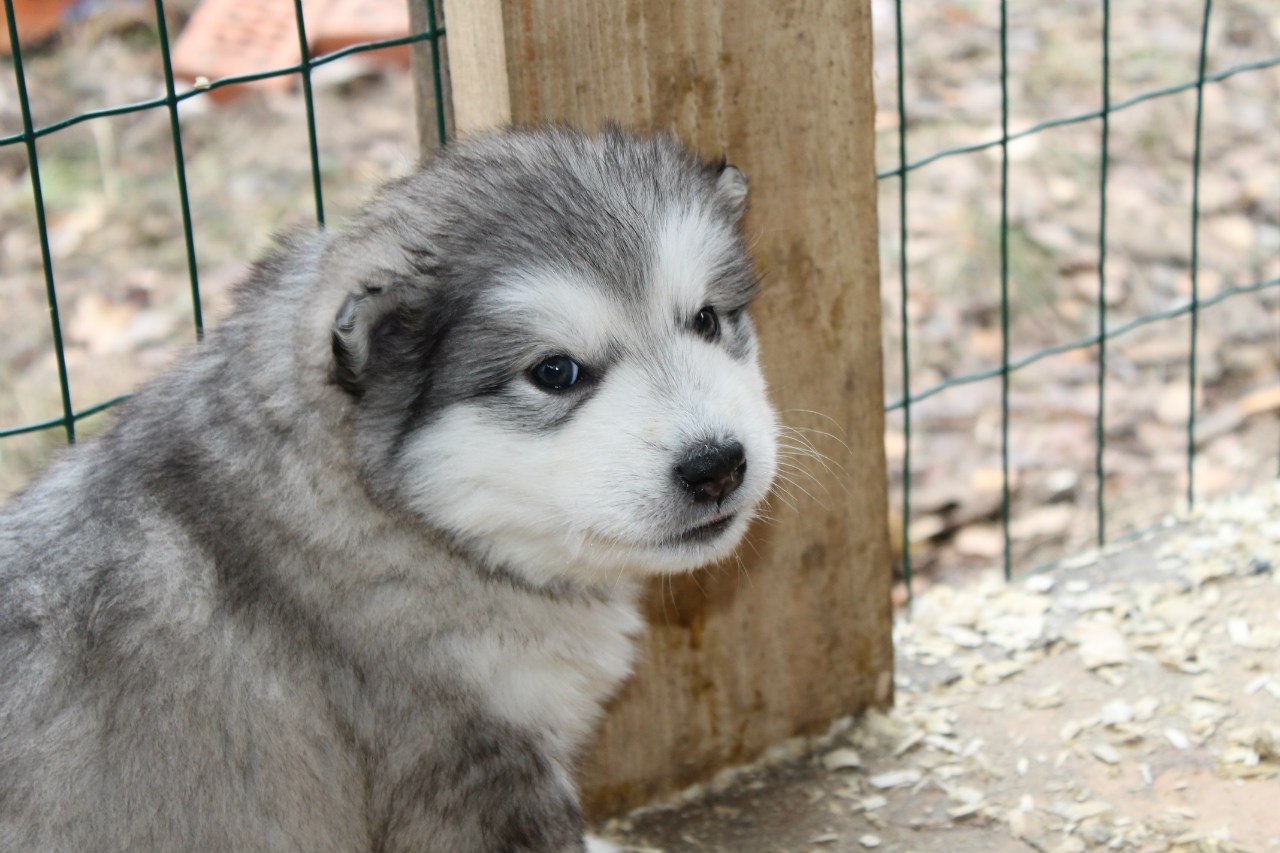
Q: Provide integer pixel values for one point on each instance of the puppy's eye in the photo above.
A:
(556, 373)
(707, 324)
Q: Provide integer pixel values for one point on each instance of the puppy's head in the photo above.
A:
(549, 358)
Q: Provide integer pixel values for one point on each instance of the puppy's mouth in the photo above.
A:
(706, 531)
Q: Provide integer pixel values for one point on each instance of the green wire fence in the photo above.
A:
(171, 100)
(1105, 333)
(31, 134)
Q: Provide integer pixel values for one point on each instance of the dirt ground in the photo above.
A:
(1127, 702)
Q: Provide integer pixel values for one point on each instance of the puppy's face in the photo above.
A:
(579, 397)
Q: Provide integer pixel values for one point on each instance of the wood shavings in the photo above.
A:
(966, 794)
(1257, 684)
(1145, 708)
(1015, 602)
(1238, 631)
(996, 671)
(1117, 712)
(1094, 601)
(1203, 572)
(1071, 729)
(1049, 697)
(1040, 583)
(895, 778)
(1019, 823)
(1102, 644)
(1083, 811)
(1263, 740)
(966, 810)
(842, 759)
(908, 743)
(944, 744)
(870, 804)
(965, 638)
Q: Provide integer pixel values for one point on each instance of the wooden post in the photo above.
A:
(735, 660)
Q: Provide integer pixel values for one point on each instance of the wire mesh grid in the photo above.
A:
(170, 101)
(1105, 331)
(900, 174)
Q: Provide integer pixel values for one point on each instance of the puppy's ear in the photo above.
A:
(353, 331)
(731, 188)
(380, 297)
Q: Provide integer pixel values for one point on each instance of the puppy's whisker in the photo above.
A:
(808, 493)
(780, 484)
(797, 469)
(791, 476)
(793, 453)
(742, 566)
(805, 464)
(799, 431)
(812, 448)
(822, 415)
(693, 576)
(814, 431)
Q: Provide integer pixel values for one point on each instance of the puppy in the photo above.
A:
(358, 573)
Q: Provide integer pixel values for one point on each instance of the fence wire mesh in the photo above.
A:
(1106, 329)
(173, 97)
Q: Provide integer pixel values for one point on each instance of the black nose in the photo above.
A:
(712, 472)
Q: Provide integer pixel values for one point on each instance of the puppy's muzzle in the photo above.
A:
(712, 473)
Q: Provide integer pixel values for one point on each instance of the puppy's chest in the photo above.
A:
(551, 672)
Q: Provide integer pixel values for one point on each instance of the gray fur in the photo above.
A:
(221, 622)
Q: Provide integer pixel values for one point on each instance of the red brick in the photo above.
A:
(36, 19)
(348, 22)
(226, 38)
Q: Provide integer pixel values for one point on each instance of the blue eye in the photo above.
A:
(556, 373)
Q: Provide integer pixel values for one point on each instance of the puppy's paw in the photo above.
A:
(599, 845)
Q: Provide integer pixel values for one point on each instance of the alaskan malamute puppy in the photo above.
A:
(358, 574)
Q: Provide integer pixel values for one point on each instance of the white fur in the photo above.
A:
(593, 499)
(553, 677)
(689, 247)
(570, 314)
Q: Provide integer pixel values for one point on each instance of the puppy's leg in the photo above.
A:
(484, 787)
(599, 845)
